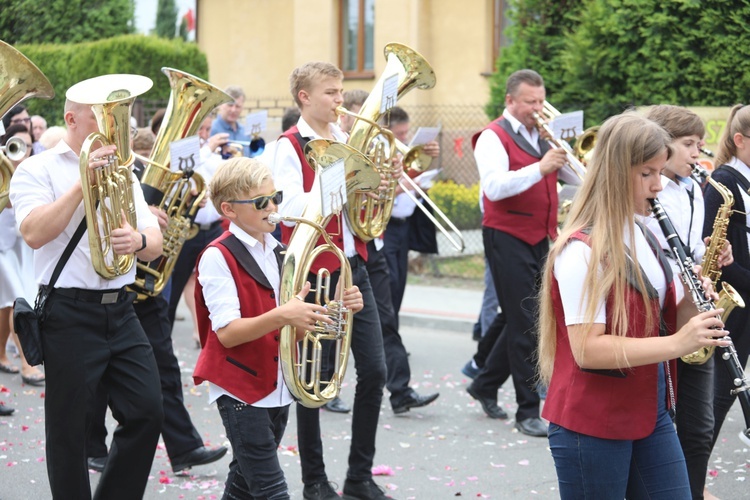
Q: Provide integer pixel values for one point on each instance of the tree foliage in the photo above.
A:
(65, 21)
(608, 55)
(166, 18)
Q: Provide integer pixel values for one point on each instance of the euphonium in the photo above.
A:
(190, 101)
(19, 80)
(728, 297)
(368, 217)
(302, 370)
(110, 188)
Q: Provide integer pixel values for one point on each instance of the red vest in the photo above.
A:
(609, 404)
(531, 215)
(326, 260)
(249, 370)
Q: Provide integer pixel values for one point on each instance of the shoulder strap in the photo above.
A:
(67, 253)
(741, 179)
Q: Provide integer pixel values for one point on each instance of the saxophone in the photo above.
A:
(728, 297)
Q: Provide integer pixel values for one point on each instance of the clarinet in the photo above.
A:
(697, 293)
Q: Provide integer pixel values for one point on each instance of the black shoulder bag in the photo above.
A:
(27, 320)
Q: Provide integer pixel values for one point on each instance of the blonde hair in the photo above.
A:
(738, 122)
(307, 75)
(604, 204)
(235, 178)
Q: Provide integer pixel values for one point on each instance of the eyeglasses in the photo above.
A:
(261, 202)
(16, 121)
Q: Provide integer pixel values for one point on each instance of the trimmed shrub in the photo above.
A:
(459, 203)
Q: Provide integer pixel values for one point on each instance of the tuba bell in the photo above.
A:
(20, 79)
(111, 190)
(190, 102)
(302, 369)
(368, 217)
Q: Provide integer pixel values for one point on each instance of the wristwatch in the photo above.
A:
(143, 239)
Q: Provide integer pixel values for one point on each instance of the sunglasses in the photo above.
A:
(261, 202)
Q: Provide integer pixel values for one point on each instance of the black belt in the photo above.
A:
(111, 296)
(208, 227)
(398, 220)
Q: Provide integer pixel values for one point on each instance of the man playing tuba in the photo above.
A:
(90, 333)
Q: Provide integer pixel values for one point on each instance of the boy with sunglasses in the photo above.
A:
(239, 318)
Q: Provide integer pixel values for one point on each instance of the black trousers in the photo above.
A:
(396, 251)
(185, 264)
(178, 431)
(694, 419)
(516, 271)
(369, 362)
(396, 358)
(487, 343)
(87, 344)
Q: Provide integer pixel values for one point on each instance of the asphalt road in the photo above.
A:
(446, 450)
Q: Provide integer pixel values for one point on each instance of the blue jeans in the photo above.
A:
(489, 300)
(596, 468)
(255, 434)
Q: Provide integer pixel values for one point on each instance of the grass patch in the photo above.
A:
(452, 272)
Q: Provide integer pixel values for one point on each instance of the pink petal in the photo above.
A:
(382, 470)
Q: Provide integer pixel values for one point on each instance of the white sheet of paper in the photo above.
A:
(257, 122)
(2, 128)
(185, 154)
(568, 125)
(333, 187)
(424, 135)
(390, 93)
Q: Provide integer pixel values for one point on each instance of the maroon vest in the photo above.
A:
(326, 260)
(531, 215)
(609, 404)
(249, 370)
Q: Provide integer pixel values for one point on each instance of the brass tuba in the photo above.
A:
(368, 217)
(302, 370)
(20, 79)
(111, 98)
(190, 102)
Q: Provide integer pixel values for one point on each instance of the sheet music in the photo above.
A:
(333, 187)
(425, 179)
(424, 135)
(255, 123)
(390, 93)
(185, 154)
(568, 125)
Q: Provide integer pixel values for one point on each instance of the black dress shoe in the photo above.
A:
(337, 405)
(5, 411)
(199, 456)
(363, 490)
(413, 400)
(532, 427)
(319, 491)
(97, 463)
(489, 405)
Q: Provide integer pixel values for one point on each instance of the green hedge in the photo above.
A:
(459, 203)
(67, 64)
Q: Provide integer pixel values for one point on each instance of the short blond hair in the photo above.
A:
(307, 75)
(235, 178)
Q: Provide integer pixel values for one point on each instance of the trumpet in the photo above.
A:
(257, 145)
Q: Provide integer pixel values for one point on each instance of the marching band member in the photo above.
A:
(91, 334)
(610, 325)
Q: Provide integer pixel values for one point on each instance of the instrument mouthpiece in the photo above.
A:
(275, 218)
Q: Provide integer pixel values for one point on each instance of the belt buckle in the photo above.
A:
(110, 297)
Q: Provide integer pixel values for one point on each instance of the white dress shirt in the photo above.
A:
(39, 181)
(571, 268)
(223, 303)
(287, 171)
(210, 161)
(496, 180)
(738, 165)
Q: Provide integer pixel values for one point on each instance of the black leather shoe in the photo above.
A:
(5, 411)
(337, 405)
(532, 427)
(319, 491)
(97, 463)
(199, 456)
(413, 400)
(363, 490)
(489, 405)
